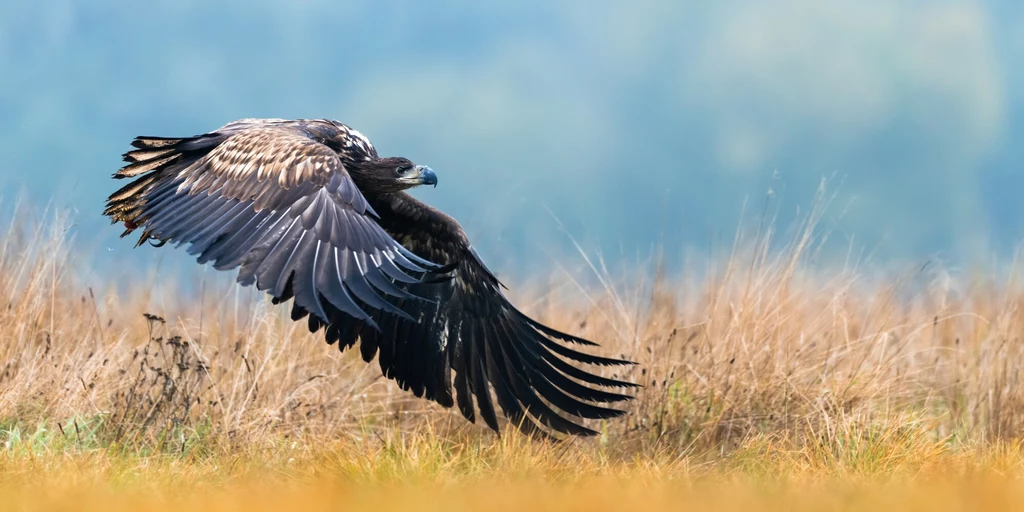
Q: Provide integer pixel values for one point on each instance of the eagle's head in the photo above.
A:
(392, 174)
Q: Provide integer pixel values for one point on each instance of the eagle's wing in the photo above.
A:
(470, 327)
(267, 197)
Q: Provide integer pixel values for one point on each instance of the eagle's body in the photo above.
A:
(307, 210)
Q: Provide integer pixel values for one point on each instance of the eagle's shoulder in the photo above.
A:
(353, 140)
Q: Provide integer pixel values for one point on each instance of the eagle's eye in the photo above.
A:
(402, 169)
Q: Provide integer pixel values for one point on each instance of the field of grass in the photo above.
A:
(771, 381)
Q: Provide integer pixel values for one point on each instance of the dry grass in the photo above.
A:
(765, 371)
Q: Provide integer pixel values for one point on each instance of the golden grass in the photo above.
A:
(772, 380)
(425, 473)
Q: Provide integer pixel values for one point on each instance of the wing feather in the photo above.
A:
(266, 197)
(466, 325)
(477, 362)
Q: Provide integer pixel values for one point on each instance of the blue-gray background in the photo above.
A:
(633, 123)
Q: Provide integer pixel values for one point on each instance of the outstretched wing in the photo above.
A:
(469, 326)
(268, 197)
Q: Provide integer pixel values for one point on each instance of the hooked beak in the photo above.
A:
(421, 175)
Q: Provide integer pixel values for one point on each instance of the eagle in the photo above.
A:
(307, 211)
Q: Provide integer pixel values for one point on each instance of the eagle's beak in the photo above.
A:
(427, 176)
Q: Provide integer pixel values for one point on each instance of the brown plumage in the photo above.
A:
(307, 211)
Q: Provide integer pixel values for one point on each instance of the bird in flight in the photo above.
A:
(307, 211)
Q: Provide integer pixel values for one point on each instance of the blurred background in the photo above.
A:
(627, 125)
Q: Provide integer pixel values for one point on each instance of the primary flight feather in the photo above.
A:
(307, 211)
